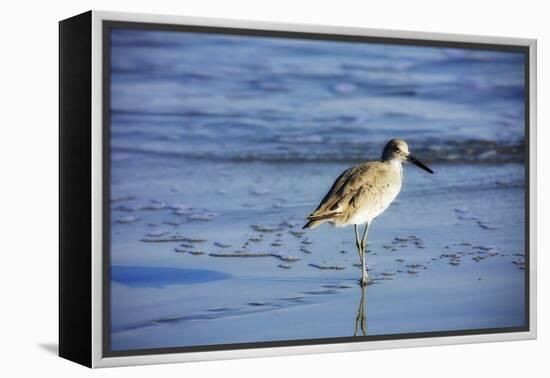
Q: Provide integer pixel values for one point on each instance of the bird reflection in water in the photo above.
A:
(361, 319)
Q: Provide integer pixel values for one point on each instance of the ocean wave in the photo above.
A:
(229, 98)
(450, 151)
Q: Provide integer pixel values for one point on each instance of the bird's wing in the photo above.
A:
(351, 189)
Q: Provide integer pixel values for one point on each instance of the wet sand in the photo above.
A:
(448, 255)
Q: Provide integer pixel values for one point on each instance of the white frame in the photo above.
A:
(97, 118)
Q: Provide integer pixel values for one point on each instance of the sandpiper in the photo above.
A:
(363, 192)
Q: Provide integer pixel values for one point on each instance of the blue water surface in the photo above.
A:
(211, 96)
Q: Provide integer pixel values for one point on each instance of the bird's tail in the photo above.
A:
(317, 220)
(313, 224)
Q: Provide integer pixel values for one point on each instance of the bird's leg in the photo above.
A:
(358, 244)
(365, 276)
(364, 239)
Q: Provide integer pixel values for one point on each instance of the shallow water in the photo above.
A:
(416, 289)
(221, 148)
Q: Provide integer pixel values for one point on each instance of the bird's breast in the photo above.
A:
(381, 198)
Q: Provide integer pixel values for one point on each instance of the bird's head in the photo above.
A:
(398, 149)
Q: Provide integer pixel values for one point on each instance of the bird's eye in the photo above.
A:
(396, 149)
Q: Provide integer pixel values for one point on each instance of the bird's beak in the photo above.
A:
(418, 163)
